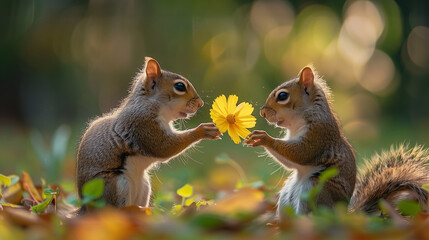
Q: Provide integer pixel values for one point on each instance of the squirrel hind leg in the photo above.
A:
(116, 189)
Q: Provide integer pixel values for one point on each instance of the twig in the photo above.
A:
(31, 194)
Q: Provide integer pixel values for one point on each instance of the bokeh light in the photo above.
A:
(417, 44)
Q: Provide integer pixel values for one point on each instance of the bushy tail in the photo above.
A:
(393, 175)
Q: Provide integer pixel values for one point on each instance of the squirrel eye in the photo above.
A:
(282, 97)
(179, 87)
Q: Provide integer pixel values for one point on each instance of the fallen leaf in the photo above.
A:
(22, 217)
(13, 194)
(244, 200)
(107, 224)
(12, 205)
(137, 209)
(4, 180)
(27, 184)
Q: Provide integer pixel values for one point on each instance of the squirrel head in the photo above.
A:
(286, 103)
(177, 96)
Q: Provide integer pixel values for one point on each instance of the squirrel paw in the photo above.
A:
(257, 138)
(208, 131)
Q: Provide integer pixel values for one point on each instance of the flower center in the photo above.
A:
(230, 118)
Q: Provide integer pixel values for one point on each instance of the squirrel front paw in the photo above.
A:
(257, 138)
(208, 131)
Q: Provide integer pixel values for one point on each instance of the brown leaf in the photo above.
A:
(189, 210)
(22, 217)
(137, 209)
(27, 184)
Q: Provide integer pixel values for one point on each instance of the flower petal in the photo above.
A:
(222, 124)
(249, 124)
(220, 105)
(233, 133)
(214, 114)
(246, 122)
(243, 132)
(243, 109)
(232, 102)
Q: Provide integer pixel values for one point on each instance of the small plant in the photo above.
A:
(52, 159)
(48, 196)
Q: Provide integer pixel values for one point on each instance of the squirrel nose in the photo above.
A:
(200, 103)
(263, 111)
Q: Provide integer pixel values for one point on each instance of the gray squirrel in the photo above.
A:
(315, 142)
(122, 145)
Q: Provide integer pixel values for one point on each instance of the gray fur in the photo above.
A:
(139, 129)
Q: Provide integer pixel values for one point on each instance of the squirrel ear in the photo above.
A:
(152, 68)
(306, 77)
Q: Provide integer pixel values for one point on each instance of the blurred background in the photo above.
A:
(66, 62)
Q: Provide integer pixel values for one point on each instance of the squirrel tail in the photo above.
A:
(394, 176)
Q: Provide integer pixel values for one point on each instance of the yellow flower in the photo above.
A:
(236, 119)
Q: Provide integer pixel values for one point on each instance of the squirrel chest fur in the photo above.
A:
(121, 146)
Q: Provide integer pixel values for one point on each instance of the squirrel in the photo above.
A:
(122, 145)
(315, 142)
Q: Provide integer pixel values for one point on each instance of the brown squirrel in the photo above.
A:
(315, 142)
(121, 146)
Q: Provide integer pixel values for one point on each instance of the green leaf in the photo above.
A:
(289, 211)
(40, 208)
(310, 196)
(98, 204)
(49, 191)
(185, 191)
(13, 179)
(59, 142)
(409, 207)
(426, 187)
(92, 190)
(5, 180)
(328, 174)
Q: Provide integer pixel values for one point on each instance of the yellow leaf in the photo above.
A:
(185, 191)
(244, 200)
(13, 194)
(177, 210)
(11, 205)
(189, 201)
